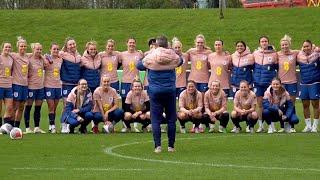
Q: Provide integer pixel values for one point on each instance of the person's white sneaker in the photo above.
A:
(149, 128)
(292, 130)
(158, 149)
(196, 130)
(287, 127)
(270, 129)
(52, 129)
(124, 130)
(247, 129)
(234, 129)
(281, 130)
(314, 128)
(273, 127)
(306, 129)
(28, 131)
(211, 128)
(38, 130)
(251, 130)
(171, 149)
(182, 130)
(65, 128)
(221, 129)
(260, 129)
(135, 127)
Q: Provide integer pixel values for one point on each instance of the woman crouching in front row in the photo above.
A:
(78, 107)
(190, 107)
(215, 103)
(137, 109)
(244, 108)
(277, 106)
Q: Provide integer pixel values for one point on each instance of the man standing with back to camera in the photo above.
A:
(161, 63)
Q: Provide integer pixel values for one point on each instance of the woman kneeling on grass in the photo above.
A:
(215, 103)
(190, 105)
(244, 107)
(137, 108)
(277, 106)
(78, 107)
(106, 106)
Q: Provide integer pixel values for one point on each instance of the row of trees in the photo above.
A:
(110, 4)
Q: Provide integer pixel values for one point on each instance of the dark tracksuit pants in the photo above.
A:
(163, 102)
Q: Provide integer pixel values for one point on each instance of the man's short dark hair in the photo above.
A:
(152, 41)
(162, 41)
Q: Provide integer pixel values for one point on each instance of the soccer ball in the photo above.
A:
(108, 128)
(6, 128)
(16, 133)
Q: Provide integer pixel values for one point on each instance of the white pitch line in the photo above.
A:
(109, 151)
(76, 169)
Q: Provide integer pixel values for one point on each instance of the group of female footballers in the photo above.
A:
(263, 84)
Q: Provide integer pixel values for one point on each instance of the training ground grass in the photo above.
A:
(46, 26)
(208, 156)
(130, 156)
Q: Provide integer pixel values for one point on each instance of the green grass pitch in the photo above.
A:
(130, 156)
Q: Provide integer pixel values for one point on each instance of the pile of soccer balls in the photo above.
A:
(14, 132)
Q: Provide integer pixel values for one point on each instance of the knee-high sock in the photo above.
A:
(27, 110)
(37, 116)
(52, 118)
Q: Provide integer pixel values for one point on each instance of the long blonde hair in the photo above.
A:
(20, 39)
(201, 36)
(286, 38)
(175, 41)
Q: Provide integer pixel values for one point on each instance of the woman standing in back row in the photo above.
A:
(199, 72)
(287, 73)
(6, 63)
(309, 63)
(90, 65)
(20, 79)
(129, 59)
(265, 69)
(35, 88)
(198, 57)
(181, 71)
(70, 72)
(220, 66)
(110, 62)
(52, 83)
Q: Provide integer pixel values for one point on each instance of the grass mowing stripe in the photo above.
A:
(76, 169)
(110, 151)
